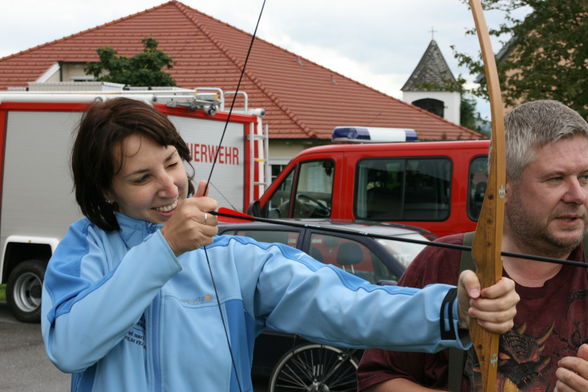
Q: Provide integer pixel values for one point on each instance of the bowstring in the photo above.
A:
(317, 226)
(206, 190)
(235, 96)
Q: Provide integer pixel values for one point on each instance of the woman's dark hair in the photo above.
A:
(104, 125)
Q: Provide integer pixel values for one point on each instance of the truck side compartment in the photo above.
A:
(37, 197)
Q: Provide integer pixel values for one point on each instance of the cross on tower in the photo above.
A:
(432, 33)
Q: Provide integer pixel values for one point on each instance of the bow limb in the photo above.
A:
(488, 238)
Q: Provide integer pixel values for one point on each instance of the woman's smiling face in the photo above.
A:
(151, 180)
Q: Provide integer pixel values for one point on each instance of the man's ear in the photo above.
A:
(507, 191)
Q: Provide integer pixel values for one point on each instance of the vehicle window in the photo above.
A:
(276, 170)
(282, 236)
(403, 252)
(278, 205)
(478, 178)
(349, 255)
(314, 190)
(403, 189)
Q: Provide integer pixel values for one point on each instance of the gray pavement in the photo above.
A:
(24, 366)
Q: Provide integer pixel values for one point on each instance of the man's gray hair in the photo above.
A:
(533, 125)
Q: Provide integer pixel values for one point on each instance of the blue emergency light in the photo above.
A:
(372, 135)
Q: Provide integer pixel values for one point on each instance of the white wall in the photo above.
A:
(451, 100)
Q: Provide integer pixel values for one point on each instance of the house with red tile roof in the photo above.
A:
(303, 100)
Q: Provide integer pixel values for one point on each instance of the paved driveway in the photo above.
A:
(24, 366)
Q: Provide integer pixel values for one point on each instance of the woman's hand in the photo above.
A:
(191, 225)
(493, 308)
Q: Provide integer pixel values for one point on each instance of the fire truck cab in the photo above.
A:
(438, 186)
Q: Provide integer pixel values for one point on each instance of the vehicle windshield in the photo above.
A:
(404, 252)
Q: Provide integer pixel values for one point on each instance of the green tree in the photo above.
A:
(545, 53)
(469, 117)
(143, 69)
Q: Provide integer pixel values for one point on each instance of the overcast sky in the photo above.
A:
(376, 42)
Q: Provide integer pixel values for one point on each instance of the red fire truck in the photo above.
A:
(438, 186)
(37, 200)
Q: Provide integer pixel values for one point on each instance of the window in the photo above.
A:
(349, 255)
(314, 190)
(281, 236)
(403, 252)
(403, 189)
(278, 205)
(434, 106)
(478, 178)
(276, 169)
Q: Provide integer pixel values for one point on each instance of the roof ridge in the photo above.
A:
(272, 96)
(296, 121)
(366, 86)
(67, 37)
(240, 65)
(399, 100)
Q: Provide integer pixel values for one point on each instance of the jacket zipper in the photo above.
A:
(153, 348)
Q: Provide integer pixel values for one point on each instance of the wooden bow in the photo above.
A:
(488, 238)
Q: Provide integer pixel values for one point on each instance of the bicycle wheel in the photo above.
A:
(315, 368)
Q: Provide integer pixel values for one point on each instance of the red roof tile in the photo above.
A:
(302, 99)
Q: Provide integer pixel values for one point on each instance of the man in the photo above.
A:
(546, 212)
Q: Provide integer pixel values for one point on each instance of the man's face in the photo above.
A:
(546, 209)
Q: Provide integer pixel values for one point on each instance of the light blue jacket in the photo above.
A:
(123, 313)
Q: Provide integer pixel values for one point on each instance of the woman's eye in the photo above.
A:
(140, 180)
(173, 164)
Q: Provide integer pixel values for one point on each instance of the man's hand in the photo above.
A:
(191, 225)
(572, 373)
(493, 308)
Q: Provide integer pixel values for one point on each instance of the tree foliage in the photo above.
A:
(545, 56)
(470, 118)
(143, 69)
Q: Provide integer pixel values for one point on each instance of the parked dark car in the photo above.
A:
(293, 363)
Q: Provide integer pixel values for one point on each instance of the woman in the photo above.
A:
(129, 302)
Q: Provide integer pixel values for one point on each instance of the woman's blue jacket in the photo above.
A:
(122, 313)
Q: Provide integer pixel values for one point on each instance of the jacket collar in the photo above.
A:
(133, 231)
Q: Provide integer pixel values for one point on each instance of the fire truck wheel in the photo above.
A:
(315, 368)
(23, 290)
